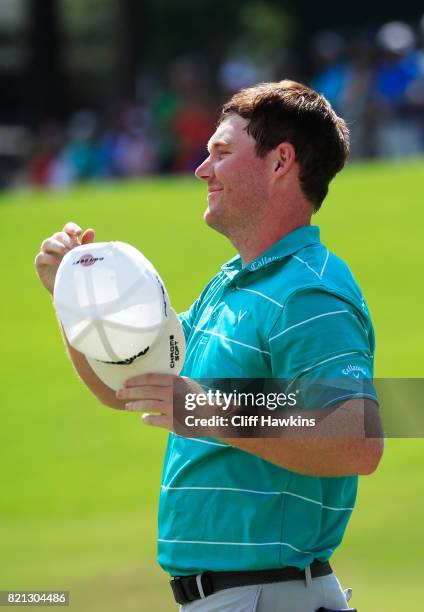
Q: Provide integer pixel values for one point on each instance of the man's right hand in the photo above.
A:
(53, 250)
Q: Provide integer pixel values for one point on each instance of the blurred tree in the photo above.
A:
(267, 28)
(189, 28)
(89, 49)
(211, 31)
(130, 33)
(13, 58)
(104, 41)
(45, 86)
(87, 53)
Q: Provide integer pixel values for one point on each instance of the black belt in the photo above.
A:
(190, 588)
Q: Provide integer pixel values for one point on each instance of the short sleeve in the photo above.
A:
(320, 335)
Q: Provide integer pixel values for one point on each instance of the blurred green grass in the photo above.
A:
(80, 482)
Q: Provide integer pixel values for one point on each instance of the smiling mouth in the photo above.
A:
(214, 190)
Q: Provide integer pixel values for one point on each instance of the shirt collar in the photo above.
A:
(288, 245)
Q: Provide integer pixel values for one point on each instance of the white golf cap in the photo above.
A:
(114, 309)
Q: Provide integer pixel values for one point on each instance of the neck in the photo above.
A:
(260, 239)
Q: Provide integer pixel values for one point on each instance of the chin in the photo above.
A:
(208, 217)
(214, 221)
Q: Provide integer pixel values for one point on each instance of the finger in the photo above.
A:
(53, 246)
(43, 259)
(147, 392)
(65, 239)
(88, 236)
(156, 421)
(147, 406)
(72, 229)
(160, 380)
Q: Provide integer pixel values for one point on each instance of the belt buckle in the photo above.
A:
(178, 590)
(184, 592)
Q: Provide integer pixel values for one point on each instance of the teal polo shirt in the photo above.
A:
(295, 311)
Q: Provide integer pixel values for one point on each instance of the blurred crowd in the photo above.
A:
(164, 134)
(374, 80)
(377, 84)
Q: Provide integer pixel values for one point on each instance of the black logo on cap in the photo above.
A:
(126, 361)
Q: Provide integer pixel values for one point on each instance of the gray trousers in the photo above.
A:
(292, 596)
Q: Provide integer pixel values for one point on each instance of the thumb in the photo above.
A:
(88, 236)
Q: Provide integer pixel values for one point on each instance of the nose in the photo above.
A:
(204, 171)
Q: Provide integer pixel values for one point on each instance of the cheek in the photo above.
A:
(226, 172)
(237, 173)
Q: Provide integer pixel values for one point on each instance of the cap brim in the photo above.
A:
(165, 357)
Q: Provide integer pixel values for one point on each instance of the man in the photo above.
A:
(271, 510)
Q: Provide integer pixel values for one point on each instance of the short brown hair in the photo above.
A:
(291, 112)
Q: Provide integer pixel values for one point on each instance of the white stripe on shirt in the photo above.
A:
(304, 552)
(254, 348)
(325, 314)
(262, 295)
(230, 489)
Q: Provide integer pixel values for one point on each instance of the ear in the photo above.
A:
(284, 156)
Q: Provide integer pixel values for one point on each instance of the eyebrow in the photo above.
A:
(216, 144)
